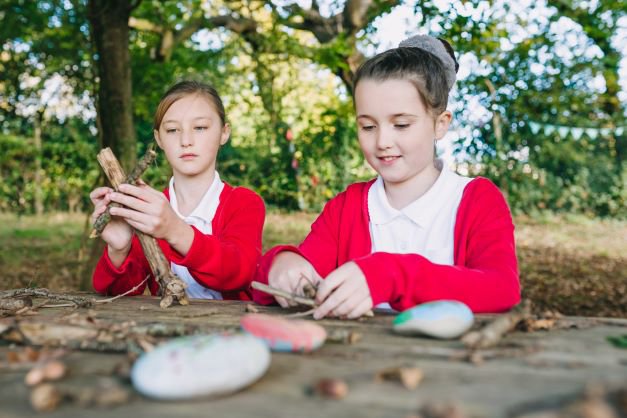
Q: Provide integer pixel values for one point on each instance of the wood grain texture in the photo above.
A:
(535, 368)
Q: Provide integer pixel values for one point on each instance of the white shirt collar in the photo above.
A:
(379, 208)
(207, 206)
(421, 211)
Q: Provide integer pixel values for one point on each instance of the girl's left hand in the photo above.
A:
(343, 293)
(147, 210)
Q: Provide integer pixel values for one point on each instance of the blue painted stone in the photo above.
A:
(440, 319)
(201, 365)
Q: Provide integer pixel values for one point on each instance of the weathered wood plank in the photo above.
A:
(559, 365)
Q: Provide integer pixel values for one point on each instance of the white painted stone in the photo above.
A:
(440, 319)
(201, 365)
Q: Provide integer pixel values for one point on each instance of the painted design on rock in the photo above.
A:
(440, 319)
(201, 365)
(285, 335)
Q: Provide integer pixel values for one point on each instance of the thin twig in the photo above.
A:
(281, 293)
(98, 301)
(294, 298)
(123, 294)
(301, 314)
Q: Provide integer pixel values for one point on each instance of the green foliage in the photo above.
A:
(533, 79)
(68, 173)
(277, 78)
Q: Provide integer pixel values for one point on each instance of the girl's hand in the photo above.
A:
(117, 234)
(149, 211)
(343, 293)
(290, 272)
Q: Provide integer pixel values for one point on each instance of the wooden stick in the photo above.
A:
(15, 304)
(172, 288)
(283, 294)
(77, 301)
(294, 298)
(17, 299)
(493, 332)
(141, 167)
(301, 314)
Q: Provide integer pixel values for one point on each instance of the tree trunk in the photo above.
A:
(39, 199)
(109, 21)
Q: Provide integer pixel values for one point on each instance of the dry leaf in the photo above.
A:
(250, 308)
(410, 377)
(343, 336)
(441, 411)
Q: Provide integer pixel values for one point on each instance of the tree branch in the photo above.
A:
(102, 220)
(144, 25)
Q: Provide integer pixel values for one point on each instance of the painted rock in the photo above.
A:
(439, 319)
(284, 334)
(201, 365)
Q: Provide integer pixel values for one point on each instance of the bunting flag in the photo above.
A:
(576, 132)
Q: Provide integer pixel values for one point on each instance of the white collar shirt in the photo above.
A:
(426, 226)
(201, 218)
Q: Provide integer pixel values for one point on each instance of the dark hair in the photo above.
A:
(421, 68)
(183, 89)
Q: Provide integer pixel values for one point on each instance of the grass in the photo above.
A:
(575, 265)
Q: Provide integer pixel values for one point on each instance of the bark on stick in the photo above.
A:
(141, 167)
(172, 288)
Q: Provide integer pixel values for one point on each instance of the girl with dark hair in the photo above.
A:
(418, 232)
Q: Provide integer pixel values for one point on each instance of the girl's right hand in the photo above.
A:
(117, 234)
(290, 272)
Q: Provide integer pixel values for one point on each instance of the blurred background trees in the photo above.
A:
(540, 104)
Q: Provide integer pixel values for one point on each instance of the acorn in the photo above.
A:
(34, 376)
(54, 370)
(331, 388)
(45, 398)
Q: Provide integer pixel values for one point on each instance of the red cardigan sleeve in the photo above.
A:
(485, 274)
(226, 260)
(320, 247)
(111, 280)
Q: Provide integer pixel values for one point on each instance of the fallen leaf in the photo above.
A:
(410, 377)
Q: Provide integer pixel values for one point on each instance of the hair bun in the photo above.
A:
(437, 48)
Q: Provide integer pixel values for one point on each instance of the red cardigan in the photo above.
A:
(224, 261)
(484, 276)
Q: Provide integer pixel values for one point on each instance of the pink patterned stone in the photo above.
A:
(287, 335)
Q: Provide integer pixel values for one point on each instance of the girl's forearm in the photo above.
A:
(117, 257)
(181, 237)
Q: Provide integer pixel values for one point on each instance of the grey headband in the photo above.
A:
(434, 46)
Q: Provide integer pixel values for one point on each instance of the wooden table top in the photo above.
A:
(530, 370)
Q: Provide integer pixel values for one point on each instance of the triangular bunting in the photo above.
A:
(562, 131)
(535, 127)
(577, 133)
(592, 133)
